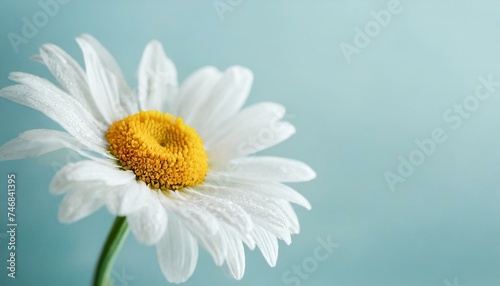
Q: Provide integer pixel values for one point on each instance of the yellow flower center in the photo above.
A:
(162, 151)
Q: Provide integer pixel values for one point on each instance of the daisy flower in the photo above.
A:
(174, 163)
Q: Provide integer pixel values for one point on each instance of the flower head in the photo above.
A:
(175, 160)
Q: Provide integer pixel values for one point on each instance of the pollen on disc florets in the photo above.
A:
(162, 151)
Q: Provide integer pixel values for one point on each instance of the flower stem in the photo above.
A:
(115, 240)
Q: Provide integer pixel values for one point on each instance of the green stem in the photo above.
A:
(115, 240)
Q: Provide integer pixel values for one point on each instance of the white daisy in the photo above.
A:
(174, 160)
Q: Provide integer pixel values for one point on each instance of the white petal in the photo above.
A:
(103, 54)
(128, 198)
(193, 93)
(67, 71)
(80, 203)
(263, 211)
(42, 95)
(37, 142)
(268, 189)
(107, 85)
(70, 76)
(127, 98)
(88, 172)
(224, 210)
(177, 252)
(215, 244)
(197, 217)
(157, 78)
(224, 100)
(287, 209)
(263, 114)
(275, 228)
(235, 256)
(248, 140)
(149, 223)
(202, 224)
(268, 245)
(286, 193)
(269, 169)
(68, 187)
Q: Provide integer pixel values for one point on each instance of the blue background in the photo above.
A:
(354, 119)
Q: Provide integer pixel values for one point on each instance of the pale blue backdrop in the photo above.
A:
(355, 116)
